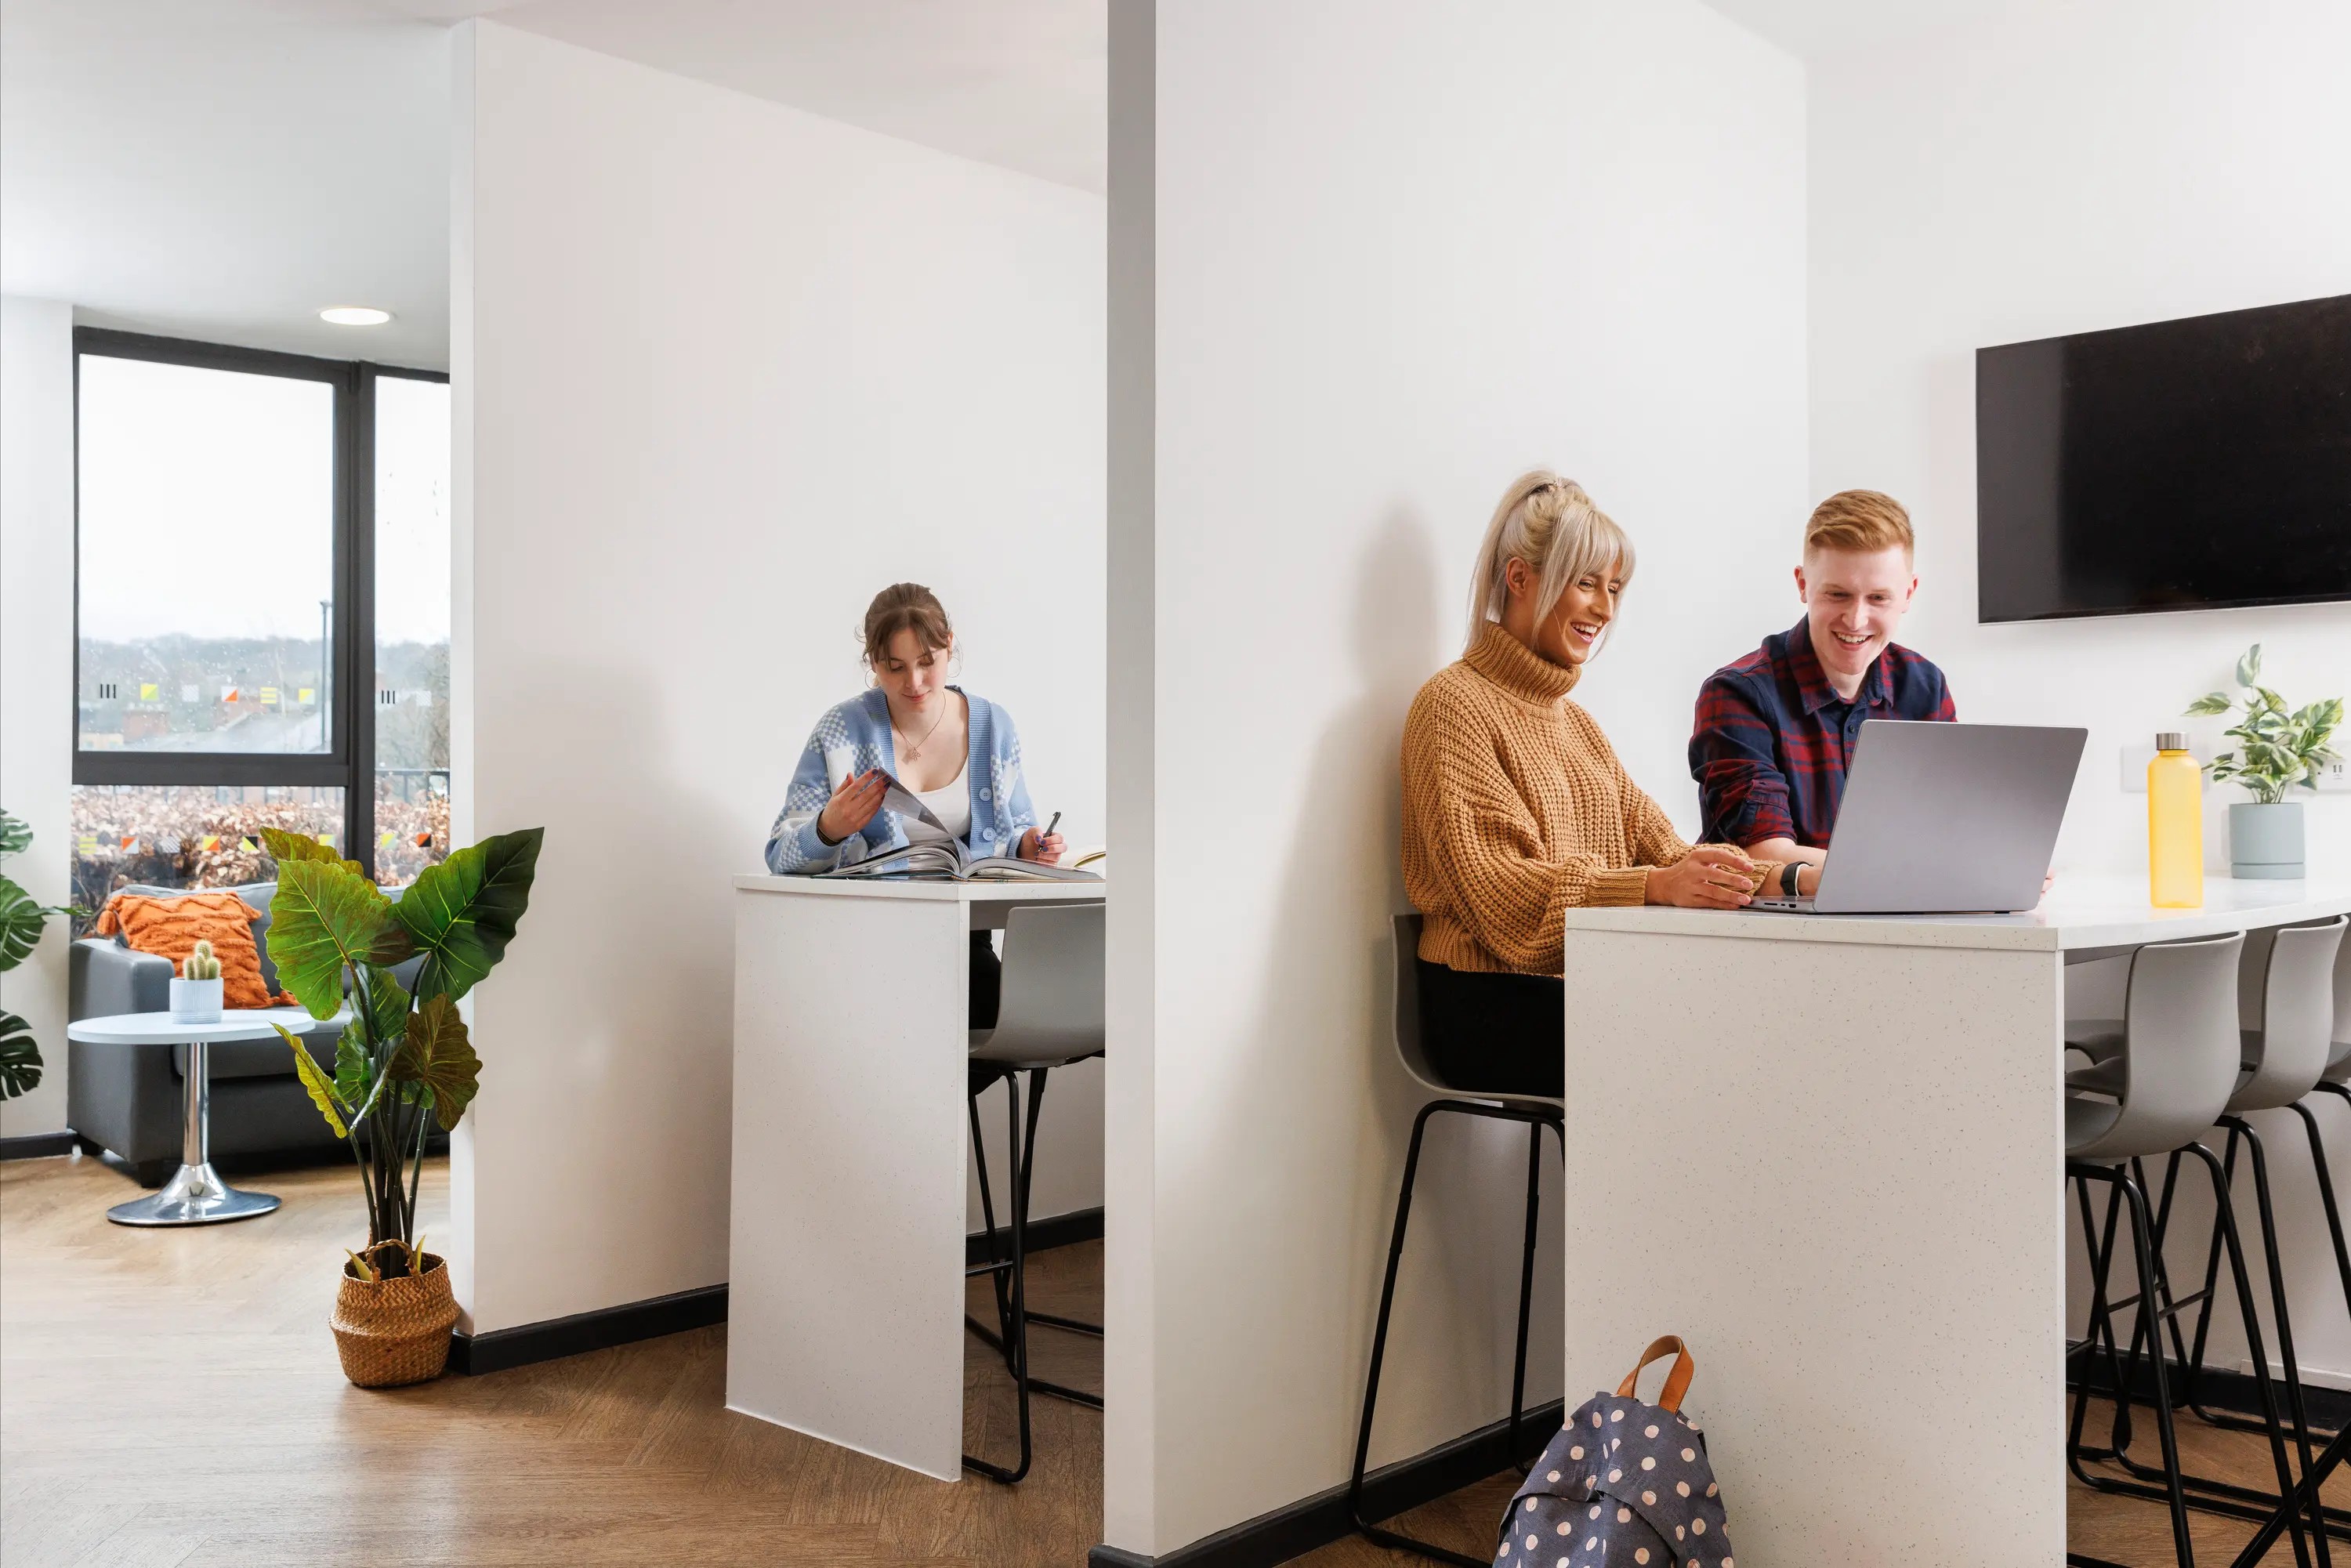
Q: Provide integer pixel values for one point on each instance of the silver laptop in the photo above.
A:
(1944, 819)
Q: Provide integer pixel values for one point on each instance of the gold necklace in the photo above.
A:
(915, 750)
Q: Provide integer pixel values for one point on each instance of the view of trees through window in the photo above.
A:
(412, 627)
(212, 547)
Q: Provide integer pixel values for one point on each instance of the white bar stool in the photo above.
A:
(2162, 1075)
(1538, 1113)
(1049, 1015)
(2291, 972)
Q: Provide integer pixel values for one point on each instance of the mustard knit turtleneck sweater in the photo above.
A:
(1516, 811)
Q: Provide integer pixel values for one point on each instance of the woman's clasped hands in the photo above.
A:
(1713, 876)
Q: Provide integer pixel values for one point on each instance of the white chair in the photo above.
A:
(2164, 1074)
(1536, 1112)
(1049, 1015)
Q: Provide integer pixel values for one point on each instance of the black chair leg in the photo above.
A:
(1370, 1531)
(2102, 1327)
(2256, 1506)
(1526, 1294)
(1017, 1339)
(998, 1266)
(2236, 1502)
(2326, 1192)
(2333, 1522)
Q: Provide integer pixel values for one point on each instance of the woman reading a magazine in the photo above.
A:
(1515, 807)
(957, 754)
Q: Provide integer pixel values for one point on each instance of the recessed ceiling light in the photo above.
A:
(355, 316)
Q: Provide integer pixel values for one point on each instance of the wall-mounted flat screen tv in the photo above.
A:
(2189, 465)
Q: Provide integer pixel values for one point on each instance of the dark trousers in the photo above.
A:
(986, 981)
(1503, 1033)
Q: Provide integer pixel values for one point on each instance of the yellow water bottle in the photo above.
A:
(2175, 825)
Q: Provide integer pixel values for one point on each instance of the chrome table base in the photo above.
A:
(195, 1194)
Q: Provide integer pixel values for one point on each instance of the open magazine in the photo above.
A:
(943, 859)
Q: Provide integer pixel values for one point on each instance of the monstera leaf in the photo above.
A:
(15, 835)
(463, 912)
(20, 1059)
(21, 919)
(323, 919)
(438, 1056)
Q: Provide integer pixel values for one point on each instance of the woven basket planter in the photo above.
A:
(391, 1332)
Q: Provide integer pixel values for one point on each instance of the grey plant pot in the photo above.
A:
(2265, 842)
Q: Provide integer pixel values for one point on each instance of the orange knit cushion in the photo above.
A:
(171, 928)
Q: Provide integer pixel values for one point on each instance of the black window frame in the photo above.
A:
(349, 763)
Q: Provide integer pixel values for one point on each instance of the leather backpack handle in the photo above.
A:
(1678, 1381)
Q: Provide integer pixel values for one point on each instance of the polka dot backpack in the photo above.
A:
(1623, 1483)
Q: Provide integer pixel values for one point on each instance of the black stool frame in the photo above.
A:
(2156, 1308)
(1009, 1273)
(1536, 1117)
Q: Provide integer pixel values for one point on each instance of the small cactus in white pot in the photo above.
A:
(196, 992)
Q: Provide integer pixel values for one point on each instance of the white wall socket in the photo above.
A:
(2335, 778)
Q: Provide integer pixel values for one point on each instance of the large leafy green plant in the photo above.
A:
(404, 1061)
(22, 920)
(2276, 749)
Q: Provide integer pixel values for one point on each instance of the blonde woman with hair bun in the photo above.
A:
(1515, 807)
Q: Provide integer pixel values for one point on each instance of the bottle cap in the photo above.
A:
(2170, 740)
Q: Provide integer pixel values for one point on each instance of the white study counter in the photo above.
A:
(2080, 913)
(845, 1296)
(1828, 1152)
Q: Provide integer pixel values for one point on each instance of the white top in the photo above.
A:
(950, 803)
(236, 1023)
(2081, 912)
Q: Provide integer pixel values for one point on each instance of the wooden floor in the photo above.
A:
(170, 1399)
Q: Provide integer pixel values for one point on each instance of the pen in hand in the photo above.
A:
(1051, 826)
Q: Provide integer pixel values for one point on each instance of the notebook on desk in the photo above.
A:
(1944, 819)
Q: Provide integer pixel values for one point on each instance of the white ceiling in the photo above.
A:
(1821, 30)
(223, 169)
(1021, 83)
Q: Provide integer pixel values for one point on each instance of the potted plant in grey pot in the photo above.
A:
(2276, 749)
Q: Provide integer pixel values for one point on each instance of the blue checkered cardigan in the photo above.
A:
(855, 737)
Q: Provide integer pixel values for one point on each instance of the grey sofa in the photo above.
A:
(127, 1099)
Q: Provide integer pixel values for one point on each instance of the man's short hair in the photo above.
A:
(1860, 521)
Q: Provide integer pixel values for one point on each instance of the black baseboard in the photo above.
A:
(582, 1332)
(2235, 1392)
(1300, 1527)
(500, 1348)
(1044, 1235)
(37, 1145)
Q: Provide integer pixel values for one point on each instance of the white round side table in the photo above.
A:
(195, 1194)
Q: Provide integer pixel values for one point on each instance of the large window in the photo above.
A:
(257, 532)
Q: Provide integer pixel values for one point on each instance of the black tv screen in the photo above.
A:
(2185, 465)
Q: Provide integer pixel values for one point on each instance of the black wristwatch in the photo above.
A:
(1789, 872)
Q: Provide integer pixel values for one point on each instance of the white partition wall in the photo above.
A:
(1402, 253)
(37, 661)
(722, 369)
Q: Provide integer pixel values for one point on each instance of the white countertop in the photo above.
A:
(2080, 912)
(1095, 892)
